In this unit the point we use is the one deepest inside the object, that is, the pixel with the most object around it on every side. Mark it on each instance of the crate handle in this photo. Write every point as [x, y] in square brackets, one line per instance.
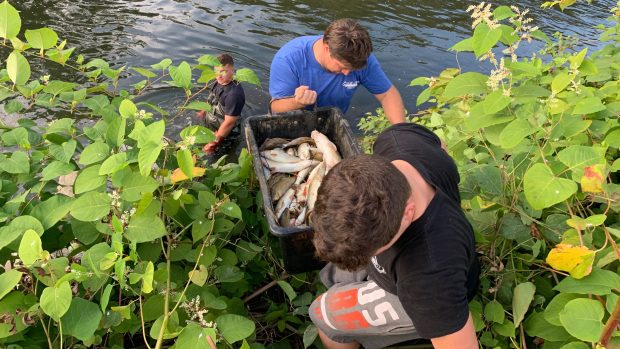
[269, 112]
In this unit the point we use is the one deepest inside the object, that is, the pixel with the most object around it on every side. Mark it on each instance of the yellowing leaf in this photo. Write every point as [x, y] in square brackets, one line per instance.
[593, 179]
[199, 277]
[577, 260]
[178, 175]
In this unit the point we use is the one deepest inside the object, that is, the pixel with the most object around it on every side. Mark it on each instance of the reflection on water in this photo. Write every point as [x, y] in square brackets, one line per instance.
[410, 37]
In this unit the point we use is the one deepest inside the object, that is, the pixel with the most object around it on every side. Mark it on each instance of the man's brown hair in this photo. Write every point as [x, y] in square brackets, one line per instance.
[348, 42]
[359, 208]
[225, 59]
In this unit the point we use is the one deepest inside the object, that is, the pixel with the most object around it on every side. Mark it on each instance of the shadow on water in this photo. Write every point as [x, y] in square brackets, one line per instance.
[411, 38]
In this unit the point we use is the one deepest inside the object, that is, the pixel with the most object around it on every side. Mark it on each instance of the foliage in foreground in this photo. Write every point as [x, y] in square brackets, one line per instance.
[113, 235]
[537, 145]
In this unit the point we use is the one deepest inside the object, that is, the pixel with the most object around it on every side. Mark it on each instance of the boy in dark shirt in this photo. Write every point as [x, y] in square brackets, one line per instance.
[396, 213]
[227, 99]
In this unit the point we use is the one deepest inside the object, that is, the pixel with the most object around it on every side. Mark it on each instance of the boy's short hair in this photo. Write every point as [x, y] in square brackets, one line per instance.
[348, 42]
[359, 209]
[225, 59]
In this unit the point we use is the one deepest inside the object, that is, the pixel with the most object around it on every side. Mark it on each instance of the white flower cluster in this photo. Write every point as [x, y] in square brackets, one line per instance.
[196, 312]
[482, 13]
[116, 199]
[126, 215]
[497, 76]
[521, 24]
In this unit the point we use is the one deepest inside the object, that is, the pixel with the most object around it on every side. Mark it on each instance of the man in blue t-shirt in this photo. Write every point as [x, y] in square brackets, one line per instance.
[327, 70]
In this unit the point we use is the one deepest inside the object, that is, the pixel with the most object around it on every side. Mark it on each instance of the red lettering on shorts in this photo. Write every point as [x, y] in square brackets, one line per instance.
[350, 321]
[342, 300]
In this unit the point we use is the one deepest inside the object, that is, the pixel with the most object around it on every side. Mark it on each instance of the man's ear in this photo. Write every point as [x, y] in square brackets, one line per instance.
[409, 211]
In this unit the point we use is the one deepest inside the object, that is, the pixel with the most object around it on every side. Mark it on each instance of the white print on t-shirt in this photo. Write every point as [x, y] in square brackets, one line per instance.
[377, 266]
[349, 85]
[380, 309]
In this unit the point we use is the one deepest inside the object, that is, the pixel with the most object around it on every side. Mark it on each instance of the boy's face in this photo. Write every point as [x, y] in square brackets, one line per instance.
[224, 74]
[334, 65]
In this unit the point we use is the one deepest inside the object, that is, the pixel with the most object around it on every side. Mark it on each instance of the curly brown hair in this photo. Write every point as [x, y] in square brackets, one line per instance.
[359, 209]
[348, 42]
[225, 59]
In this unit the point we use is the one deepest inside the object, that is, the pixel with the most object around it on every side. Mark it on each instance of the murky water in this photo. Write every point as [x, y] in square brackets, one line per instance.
[411, 38]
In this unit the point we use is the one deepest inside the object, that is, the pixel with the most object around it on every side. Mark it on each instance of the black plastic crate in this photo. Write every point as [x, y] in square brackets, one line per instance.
[296, 242]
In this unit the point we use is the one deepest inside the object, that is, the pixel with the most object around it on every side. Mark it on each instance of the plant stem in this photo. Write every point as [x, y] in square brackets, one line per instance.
[47, 334]
[142, 323]
[610, 326]
[264, 288]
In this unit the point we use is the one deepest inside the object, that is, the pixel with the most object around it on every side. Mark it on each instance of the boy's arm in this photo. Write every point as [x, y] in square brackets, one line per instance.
[465, 338]
[392, 104]
[221, 133]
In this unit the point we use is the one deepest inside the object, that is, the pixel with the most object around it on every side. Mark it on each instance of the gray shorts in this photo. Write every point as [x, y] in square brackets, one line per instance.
[355, 309]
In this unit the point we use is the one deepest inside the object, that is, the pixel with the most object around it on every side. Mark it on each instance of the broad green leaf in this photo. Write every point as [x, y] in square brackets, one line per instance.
[113, 163]
[577, 157]
[9, 280]
[91, 206]
[182, 75]
[582, 318]
[144, 72]
[13, 106]
[56, 300]
[135, 185]
[577, 58]
[199, 277]
[234, 327]
[200, 228]
[485, 38]
[163, 64]
[575, 345]
[552, 312]
[194, 336]
[209, 60]
[206, 76]
[17, 227]
[16, 164]
[495, 102]
[536, 326]
[600, 282]
[42, 38]
[569, 126]
[82, 319]
[18, 68]
[198, 105]
[127, 109]
[494, 312]
[145, 228]
[115, 134]
[105, 297]
[152, 133]
[30, 247]
[16, 136]
[588, 106]
[543, 189]
[288, 289]
[560, 82]
[247, 75]
[10, 22]
[147, 279]
[231, 209]
[56, 169]
[467, 83]
[310, 335]
[228, 274]
[463, 45]
[186, 162]
[503, 12]
[63, 152]
[93, 153]
[522, 297]
[147, 156]
[420, 81]
[52, 210]
[515, 132]
[57, 87]
[96, 103]
[424, 96]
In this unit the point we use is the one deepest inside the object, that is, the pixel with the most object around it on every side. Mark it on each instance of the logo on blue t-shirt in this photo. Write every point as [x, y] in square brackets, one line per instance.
[350, 85]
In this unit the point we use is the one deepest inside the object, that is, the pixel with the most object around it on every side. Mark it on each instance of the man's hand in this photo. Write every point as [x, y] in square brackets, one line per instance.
[201, 114]
[209, 148]
[305, 96]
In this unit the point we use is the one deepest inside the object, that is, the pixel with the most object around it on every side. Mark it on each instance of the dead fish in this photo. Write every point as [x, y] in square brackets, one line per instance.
[301, 193]
[330, 153]
[301, 175]
[279, 155]
[291, 152]
[285, 220]
[316, 154]
[285, 202]
[301, 217]
[297, 141]
[284, 167]
[272, 143]
[281, 186]
[314, 183]
[303, 151]
[266, 172]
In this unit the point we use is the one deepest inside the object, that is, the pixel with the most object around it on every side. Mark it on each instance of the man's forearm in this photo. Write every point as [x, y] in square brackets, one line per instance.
[393, 106]
[226, 126]
[285, 104]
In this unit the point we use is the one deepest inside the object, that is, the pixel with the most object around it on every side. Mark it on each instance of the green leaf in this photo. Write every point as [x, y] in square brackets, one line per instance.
[231, 209]
[113, 164]
[13, 106]
[463, 45]
[91, 206]
[599, 282]
[575, 345]
[467, 83]
[209, 60]
[537, 326]
[522, 297]
[560, 82]
[195, 337]
[57, 87]
[186, 163]
[135, 185]
[543, 189]
[588, 106]
[16, 136]
[198, 105]
[56, 169]
[16, 164]
[310, 335]
[247, 75]
[147, 278]
[42, 38]
[515, 132]
[144, 72]
[495, 102]
[419, 81]
[288, 289]
[577, 157]
[115, 134]
[10, 22]
[18, 68]
[582, 318]
[503, 12]
[163, 64]
[147, 156]
[82, 319]
[145, 228]
[94, 153]
[52, 210]
[552, 312]
[63, 152]
[105, 297]
[494, 312]
[199, 277]
[200, 228]
[182, 75]
[485, 38]
[17, 227]
[228, 274]
[56, 300]
[9, 280]
[234, 327]
[127, 109]
[30, 247]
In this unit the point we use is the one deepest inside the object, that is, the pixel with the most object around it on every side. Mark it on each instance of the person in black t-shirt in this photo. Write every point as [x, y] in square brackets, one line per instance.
[401, 251]
[227, 99]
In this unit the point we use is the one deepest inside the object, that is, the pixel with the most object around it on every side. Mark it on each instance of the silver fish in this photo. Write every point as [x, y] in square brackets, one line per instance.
[281, 186]
[314, 183]
[279, 155]
[272, 143]
[284, 167]
[297, 141]
[303, 151]
[285, 202]
[330, 153]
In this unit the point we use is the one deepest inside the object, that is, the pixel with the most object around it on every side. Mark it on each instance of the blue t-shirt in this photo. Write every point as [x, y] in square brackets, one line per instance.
[294, 65]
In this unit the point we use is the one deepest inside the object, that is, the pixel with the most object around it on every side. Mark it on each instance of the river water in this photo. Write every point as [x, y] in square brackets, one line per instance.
[411, 38]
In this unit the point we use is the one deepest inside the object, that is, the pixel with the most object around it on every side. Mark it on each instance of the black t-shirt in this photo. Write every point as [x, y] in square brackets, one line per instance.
[432, 268]
[231, 97]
